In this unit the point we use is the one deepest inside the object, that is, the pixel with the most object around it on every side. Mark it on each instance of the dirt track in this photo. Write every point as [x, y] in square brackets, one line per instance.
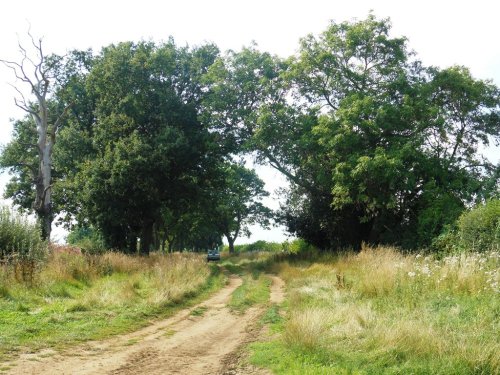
[182, 344]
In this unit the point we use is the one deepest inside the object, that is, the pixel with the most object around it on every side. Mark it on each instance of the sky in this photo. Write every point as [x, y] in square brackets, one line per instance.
[442, 33]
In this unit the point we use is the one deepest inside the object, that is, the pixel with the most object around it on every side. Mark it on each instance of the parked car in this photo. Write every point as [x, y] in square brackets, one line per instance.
[213, 254]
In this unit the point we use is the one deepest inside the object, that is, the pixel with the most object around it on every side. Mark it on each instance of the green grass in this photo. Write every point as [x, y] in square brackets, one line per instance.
[256, 285]
[253, 291]
[272, 315]
[199, 311]
[381, 312]
[63, 312]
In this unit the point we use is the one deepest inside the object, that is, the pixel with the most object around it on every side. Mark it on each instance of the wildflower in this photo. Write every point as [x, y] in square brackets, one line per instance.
[411, 274]
[426, 270]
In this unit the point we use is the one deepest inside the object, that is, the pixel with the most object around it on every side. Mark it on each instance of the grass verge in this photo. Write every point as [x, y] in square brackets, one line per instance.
[77, 299]
[382, 312]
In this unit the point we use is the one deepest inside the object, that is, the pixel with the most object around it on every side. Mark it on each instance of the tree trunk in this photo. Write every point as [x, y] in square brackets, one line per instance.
[146, 238]
[43, 199]
[230, 241]
[163, 242]
[156, 237]
[132, 245]
[39, 84]
[45, 223]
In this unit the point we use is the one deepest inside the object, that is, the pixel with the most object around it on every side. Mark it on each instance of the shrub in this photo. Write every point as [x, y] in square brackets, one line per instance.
[88, 239]
[479, 228]
[256, 246]
[20, 244]
[299, 246]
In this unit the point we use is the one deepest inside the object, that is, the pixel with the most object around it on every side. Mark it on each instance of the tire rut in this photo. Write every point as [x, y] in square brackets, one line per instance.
[183, 344]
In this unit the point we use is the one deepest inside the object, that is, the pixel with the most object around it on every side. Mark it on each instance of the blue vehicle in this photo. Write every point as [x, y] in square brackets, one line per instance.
[213, 254]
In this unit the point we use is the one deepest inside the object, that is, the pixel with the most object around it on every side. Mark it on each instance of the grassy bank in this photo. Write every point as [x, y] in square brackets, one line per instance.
[381, 312]
[76, 298]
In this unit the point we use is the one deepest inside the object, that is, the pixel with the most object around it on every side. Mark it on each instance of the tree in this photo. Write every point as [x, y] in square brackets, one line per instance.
[377, 148]
[151, 151]
[398, 141]
[237, 204]
[37, 72]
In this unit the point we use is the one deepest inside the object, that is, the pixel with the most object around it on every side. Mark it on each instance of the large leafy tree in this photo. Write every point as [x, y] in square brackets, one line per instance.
[150, 149]
[377, 147]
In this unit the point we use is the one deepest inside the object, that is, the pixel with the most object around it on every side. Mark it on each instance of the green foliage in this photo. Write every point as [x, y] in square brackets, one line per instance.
[260, 245]
[131, 145]
[377, 147]
[479, 228]
[298, 246]
[88, 239]
[237, 204]
[20, 156]
[151, 153]
[476, 230]
[19, 238]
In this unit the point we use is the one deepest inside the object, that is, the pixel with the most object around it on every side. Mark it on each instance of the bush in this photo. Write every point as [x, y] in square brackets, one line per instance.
[299, 246]
[20, 244]
[447, 242]
[256, 246]
[476, 230]
[479, 228]
[441, 211]
[88, 239]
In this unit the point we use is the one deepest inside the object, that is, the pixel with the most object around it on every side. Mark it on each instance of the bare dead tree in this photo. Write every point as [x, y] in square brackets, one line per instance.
[35, 73]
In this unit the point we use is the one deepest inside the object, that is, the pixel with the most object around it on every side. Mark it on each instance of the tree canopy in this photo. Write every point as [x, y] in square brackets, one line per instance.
[376, 146]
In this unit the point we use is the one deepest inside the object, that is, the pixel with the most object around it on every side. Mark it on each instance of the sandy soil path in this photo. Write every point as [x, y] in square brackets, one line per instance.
[182, 344]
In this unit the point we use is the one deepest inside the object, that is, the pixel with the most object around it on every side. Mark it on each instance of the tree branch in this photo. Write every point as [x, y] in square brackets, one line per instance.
[59, 119]
[33, 170]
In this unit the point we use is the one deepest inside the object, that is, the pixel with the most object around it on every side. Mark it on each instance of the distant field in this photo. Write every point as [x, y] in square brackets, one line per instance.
[381, 312]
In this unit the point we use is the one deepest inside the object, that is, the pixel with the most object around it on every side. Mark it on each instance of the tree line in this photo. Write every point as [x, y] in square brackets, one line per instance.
[147, 140]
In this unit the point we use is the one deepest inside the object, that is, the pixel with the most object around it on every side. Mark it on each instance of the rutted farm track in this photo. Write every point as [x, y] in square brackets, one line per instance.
[208, 343]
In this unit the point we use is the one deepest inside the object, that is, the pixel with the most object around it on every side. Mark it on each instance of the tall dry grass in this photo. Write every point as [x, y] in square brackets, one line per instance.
[114, 279]
[80, 297]
[384, 311]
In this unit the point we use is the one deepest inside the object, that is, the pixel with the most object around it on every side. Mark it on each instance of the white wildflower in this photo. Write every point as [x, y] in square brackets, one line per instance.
[426, 270]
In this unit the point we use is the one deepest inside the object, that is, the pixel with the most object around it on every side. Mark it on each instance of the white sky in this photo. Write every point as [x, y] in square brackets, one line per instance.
[443, 33]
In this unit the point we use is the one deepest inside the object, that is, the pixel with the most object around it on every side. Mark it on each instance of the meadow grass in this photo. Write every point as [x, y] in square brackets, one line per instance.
[77, 298]
[382, 312]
